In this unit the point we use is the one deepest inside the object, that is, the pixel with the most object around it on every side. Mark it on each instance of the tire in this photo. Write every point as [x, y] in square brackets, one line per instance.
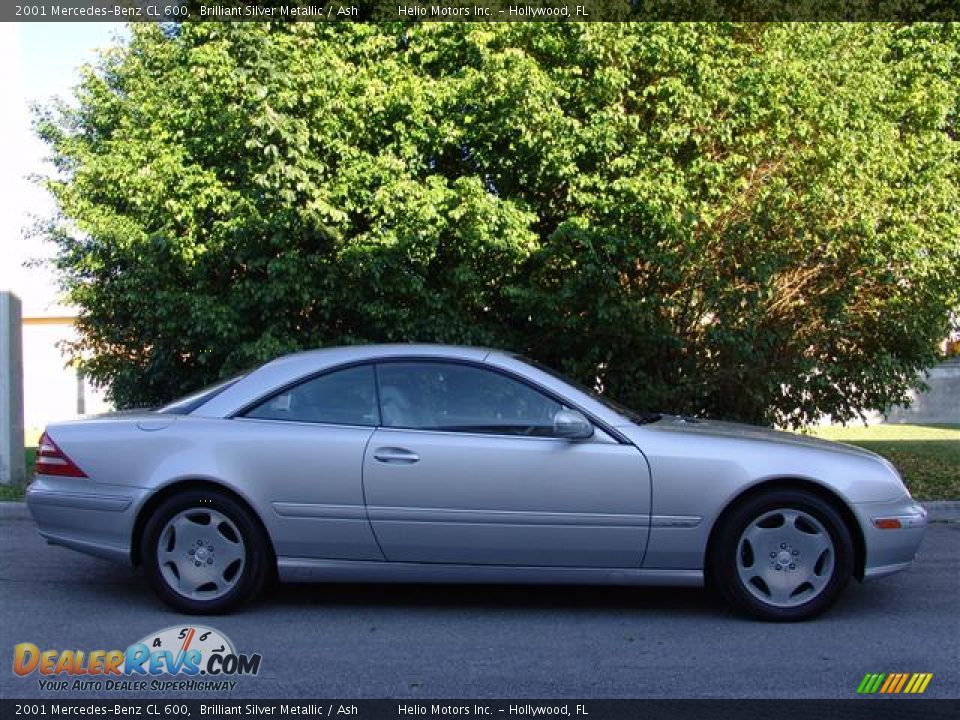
[204, 553]
[783, 555]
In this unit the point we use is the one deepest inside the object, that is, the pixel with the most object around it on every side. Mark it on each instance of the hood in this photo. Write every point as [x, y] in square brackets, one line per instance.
[741, 431]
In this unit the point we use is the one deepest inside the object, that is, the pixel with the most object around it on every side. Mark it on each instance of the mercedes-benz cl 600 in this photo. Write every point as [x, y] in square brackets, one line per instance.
[422, 463]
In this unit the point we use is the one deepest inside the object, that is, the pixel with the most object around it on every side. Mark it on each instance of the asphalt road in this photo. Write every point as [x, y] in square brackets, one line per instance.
[517, 642]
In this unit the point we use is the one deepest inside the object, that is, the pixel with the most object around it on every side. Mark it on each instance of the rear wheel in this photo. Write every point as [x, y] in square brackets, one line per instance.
[782, 555]
[204, 552]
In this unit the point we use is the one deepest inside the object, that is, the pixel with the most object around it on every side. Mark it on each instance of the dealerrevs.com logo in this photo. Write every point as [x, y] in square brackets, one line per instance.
[204, 656]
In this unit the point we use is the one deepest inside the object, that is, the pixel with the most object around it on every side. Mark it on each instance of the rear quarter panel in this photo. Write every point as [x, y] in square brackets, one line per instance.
[302, 480]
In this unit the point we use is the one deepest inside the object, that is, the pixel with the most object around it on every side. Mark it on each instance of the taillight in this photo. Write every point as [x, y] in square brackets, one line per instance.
[51, 460]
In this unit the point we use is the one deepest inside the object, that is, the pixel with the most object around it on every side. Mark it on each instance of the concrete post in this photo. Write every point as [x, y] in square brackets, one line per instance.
[11, 391]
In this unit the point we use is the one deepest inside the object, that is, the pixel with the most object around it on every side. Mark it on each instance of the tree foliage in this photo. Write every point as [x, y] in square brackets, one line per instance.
[759, 222]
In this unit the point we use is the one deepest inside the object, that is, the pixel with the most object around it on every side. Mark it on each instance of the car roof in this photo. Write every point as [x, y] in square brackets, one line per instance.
[366, 352]
[290, 368]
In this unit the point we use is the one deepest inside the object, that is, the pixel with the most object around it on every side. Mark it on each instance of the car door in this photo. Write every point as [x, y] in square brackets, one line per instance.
[300, 452]
[465, 468]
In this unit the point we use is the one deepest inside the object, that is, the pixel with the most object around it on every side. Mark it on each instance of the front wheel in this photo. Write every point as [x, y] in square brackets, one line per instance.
[204, 553]
[782, 555]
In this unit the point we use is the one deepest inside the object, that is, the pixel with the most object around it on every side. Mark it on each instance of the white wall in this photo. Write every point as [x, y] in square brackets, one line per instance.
[940, 403]
[50, 386]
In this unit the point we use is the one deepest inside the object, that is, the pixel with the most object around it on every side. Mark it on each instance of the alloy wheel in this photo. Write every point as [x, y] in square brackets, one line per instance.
[201, 554]
[785, 557]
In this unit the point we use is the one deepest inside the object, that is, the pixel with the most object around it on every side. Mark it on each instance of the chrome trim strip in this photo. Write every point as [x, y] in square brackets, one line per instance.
[414, 357]
[320, 510]
[480, 517]
[109, 503]
[504, 517]
[675, 521]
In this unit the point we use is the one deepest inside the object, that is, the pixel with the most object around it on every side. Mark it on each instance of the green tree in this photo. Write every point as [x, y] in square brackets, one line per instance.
[759, 222]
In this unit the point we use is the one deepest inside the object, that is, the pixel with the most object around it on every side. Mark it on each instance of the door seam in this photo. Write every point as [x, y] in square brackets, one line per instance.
[363, 489]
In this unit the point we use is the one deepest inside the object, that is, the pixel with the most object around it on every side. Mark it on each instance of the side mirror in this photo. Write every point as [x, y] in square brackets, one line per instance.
[572, 425]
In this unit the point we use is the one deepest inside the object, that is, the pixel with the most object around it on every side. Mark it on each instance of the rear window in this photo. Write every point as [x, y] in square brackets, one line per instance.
[189, 403]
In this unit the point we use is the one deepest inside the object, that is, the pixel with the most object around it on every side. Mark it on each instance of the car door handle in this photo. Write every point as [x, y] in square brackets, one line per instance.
[400, 456]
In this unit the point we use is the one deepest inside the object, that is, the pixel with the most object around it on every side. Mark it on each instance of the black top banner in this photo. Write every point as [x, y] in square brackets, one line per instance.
[479, 10]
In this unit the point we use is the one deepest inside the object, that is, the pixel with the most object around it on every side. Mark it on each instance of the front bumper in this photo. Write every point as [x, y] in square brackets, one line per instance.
[890, 549]
[93, 518]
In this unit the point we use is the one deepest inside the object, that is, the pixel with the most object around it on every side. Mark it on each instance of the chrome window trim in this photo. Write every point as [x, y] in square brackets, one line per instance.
[286, 387]
[611, 431]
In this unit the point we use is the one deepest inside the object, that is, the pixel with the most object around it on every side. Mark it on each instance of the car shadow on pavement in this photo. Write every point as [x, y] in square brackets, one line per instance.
[692, 601]
[91, 578]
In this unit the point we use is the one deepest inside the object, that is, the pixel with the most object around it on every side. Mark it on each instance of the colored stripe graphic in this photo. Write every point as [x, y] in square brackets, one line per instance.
[892, 680]
[870, 683]
[920, 684]
[903, 680]
[894, 683]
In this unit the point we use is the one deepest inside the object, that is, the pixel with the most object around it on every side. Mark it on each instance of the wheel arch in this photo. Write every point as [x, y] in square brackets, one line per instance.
[795, 483]
[182, 485]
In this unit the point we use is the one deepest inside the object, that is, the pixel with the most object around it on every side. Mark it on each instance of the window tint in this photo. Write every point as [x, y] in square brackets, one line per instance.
[446, 396]
[343, 397]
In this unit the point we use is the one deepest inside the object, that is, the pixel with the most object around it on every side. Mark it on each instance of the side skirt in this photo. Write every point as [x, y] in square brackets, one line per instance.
[311, 570]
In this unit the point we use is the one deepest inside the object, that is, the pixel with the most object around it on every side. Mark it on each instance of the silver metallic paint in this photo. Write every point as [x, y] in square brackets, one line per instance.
[496, 500]
[632, 504]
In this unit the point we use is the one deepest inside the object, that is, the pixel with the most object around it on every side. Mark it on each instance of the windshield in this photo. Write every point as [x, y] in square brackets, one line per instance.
[641, 418]
[189, 403]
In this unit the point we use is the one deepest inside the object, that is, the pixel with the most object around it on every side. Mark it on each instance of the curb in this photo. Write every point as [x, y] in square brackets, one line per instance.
[14, 510]
[938, 511]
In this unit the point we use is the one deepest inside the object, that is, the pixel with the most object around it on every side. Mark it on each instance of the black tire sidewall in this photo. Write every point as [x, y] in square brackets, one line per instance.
[256, 562]
[723, 562]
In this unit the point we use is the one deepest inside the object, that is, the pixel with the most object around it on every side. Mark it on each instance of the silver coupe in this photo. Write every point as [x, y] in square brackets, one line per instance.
[425, 463]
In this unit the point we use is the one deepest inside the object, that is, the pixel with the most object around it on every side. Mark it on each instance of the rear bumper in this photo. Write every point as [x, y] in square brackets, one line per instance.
[893, 549]
[90, 517]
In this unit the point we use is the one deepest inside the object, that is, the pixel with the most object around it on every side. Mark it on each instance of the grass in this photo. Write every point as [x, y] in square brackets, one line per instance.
[31, 459]
[927, 456]
[15, 492]
[9, 493]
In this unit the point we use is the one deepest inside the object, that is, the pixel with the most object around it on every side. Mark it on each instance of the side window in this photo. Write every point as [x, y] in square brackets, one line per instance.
[342, 397]
[452, 397]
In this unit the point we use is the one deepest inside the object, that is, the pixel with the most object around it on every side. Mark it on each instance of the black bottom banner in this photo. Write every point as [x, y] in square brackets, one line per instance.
[868, 709]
